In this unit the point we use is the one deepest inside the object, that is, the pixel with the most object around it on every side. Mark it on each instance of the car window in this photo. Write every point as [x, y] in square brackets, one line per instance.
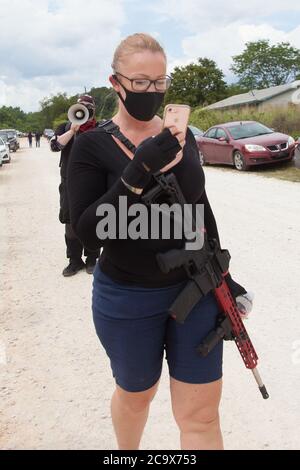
[196, 131]
[248, 129]
[211, 133]
[221, 133]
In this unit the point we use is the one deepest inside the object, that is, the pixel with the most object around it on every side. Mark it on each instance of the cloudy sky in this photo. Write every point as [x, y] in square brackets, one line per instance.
[51, 46]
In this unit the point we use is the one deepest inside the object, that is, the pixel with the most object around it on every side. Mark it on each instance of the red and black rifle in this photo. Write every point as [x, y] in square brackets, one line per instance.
[238, 331]
[206, 269]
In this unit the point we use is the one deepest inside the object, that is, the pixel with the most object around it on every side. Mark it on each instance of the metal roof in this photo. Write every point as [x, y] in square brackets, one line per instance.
[254, 96]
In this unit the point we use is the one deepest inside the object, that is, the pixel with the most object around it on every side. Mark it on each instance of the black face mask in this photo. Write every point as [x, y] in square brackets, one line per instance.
[142, 106]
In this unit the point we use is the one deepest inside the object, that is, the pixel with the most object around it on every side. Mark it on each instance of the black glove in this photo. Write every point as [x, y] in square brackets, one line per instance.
[235, 288]
[151, 155]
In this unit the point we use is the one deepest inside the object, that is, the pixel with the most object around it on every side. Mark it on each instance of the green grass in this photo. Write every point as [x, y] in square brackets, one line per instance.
[287, 172]
[286, 120]
[282, 171]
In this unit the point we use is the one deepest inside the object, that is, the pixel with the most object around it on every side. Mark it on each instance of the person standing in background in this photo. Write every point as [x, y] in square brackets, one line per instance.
[37, 139]
[30, 139]
[62, 141]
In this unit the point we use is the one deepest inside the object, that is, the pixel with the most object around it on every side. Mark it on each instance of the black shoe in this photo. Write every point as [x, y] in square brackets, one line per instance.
[90, 264]
[74, 266]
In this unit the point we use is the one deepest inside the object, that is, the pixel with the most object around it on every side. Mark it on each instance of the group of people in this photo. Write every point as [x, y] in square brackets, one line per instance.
[131, 295]
[37, 136]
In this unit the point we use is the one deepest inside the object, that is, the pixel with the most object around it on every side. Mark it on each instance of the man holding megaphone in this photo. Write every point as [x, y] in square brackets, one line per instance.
[81, 119]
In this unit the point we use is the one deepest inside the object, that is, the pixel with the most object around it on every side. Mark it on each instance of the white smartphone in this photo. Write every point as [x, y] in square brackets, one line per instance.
[177, 115]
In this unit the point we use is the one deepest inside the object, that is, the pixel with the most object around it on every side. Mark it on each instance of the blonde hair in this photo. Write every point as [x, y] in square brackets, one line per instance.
[137, 42]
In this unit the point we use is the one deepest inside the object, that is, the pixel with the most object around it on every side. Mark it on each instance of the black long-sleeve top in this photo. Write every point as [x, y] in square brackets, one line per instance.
[65, 150]
[94, 177]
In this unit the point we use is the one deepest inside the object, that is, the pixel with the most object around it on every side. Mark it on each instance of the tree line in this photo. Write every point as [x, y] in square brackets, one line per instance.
[260, 65]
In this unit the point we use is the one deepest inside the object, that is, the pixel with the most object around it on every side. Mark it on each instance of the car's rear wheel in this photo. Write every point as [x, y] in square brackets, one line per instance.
[202, 159]
[239, 161]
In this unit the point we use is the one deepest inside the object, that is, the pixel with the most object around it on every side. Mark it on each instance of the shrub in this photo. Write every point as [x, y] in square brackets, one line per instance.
[286, 120]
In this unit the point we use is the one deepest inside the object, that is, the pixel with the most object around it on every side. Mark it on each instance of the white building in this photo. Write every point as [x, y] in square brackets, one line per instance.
[281, 95]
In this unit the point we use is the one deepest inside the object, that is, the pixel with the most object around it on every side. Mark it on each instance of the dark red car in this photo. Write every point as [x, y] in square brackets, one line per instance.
[244, 144]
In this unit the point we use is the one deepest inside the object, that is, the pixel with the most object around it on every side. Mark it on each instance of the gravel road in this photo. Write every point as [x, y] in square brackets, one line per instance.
[55, 380]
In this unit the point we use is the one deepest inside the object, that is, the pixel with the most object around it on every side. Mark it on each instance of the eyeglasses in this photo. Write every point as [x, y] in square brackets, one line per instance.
[143, 84]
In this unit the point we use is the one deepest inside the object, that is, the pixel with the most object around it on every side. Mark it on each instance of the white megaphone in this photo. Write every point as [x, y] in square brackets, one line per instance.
[78, 114]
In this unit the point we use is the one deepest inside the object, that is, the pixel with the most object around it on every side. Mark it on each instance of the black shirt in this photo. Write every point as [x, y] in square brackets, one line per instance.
[95, 167]
[65, 152]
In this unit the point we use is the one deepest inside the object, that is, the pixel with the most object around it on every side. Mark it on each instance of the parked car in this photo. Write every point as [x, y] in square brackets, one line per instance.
[244, 144]
[48, 133]
[196, 131]
[4, 137]
[14, 143]
[4, 152]
[10, 144]
[197, 134]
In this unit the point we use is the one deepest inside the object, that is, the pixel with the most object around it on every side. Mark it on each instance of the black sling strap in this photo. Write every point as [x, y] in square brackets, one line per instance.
[111, 128]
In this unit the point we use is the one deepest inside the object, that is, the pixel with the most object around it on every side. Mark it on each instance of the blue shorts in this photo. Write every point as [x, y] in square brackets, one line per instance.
[135, 329]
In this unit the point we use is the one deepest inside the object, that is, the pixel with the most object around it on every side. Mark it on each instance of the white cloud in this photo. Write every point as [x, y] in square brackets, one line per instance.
[219, 29]
[220, 44]
[202, 15]
[50, 46]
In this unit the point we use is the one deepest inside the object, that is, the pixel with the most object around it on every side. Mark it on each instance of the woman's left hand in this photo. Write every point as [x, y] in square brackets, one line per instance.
[181, 138]
[244, 304]
[243, 299]
[173, 163]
